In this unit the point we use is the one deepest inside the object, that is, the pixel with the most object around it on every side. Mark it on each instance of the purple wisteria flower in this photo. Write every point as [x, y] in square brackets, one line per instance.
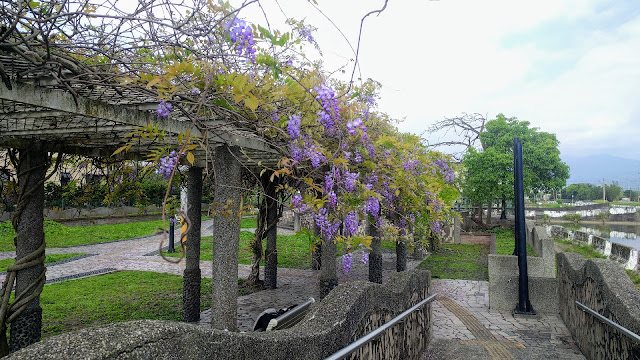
[327, 228]
[351, 223]
[365, 257]
[353, 125]
[435, 226]
[290, 62]
[346, 262]
[328, 183]
[350, 181]
[298, 203]
[372, 206]
[172, 221]
[330, 113]
[332, 198]
[195, 91]
[242, 36]
[164, 108]
[167, 163]
[305, 33]
[275, 117]
[293, 126]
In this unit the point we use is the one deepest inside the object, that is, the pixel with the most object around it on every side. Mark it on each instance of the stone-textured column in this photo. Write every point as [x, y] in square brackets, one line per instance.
[192, 274]
[375, 257]
[328, 275]
[316, 254]
[401, 255]
[226, 234]
[271, 252]
[26, 328]
[296, 222]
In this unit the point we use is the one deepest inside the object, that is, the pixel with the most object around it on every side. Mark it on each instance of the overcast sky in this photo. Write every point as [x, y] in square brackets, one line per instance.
[569, 67]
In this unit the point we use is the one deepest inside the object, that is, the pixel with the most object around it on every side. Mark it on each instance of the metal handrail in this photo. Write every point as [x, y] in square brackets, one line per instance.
[377, 332]
[608, 321]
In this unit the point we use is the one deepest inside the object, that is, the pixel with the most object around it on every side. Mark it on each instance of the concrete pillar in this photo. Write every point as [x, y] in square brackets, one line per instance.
[296, 222]
[328, 275]
[192, 274]
[271, 252]
[226, 234]
[375, 256]
[32, 166]
[456, 231]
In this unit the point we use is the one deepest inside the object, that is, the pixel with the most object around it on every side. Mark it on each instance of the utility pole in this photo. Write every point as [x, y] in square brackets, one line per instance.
[604, 193]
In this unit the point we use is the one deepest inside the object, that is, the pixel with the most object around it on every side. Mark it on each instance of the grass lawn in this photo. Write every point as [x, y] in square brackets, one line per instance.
[4, 264]
[505, 242]
[583, 249]
[248, 223]
[459, 262]
[294, 251]
[121, 296]
[58, 235]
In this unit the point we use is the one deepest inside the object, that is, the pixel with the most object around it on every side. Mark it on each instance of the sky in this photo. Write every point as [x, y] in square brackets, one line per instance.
[569, 67]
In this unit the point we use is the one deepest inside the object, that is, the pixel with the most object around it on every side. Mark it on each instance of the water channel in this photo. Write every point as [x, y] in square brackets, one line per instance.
[622, 233]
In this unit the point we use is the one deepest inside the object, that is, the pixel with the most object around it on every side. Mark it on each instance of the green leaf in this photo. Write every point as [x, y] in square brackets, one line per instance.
[283, 39]
[265, 32]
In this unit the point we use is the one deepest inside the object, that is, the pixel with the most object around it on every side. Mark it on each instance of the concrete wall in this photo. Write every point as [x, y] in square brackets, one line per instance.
[587, 211]
[504, 271]
[626, 255]
[604, 287]
[347, 313]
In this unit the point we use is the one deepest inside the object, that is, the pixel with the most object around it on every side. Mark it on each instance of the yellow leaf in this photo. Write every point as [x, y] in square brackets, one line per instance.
[121, 149]
[153, 82]
[190, 157]
[397, 192]
[237, 98]
[251, 102]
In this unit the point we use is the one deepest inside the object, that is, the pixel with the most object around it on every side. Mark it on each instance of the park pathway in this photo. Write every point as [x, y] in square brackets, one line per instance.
[463, 326]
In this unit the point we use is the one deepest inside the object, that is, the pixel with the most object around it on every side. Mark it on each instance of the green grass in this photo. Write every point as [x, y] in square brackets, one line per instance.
[248, 223]
[294, 251]
[635, 278]
[58, 235]
[4, 264]
[459, 262]
[121, 296]
[505, 242]
[585, 250]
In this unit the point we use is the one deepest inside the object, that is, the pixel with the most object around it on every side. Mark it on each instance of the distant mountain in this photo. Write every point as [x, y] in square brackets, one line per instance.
[592, 169]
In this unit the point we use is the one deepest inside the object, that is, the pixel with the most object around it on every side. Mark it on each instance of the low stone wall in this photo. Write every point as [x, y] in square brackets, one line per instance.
[350, 311]
[504, 271]
[626, 255]
[604, 287]
[584, 211]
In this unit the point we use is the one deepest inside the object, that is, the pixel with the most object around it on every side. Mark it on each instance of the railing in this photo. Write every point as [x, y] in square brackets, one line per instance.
[607, 321]
[377, 332]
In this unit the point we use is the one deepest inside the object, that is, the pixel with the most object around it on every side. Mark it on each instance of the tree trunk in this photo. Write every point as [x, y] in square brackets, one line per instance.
[29, 225]
[480, 213]
[375, 257]
[503, 214]
[271, 252]
[253, 279]
[192, 273]
[401, 255]
[489, 210]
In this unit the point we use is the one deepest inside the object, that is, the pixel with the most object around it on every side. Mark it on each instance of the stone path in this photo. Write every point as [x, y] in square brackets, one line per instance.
[463, 326]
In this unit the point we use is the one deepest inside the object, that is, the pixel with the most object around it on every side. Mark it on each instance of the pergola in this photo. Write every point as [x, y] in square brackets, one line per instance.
[40, 114]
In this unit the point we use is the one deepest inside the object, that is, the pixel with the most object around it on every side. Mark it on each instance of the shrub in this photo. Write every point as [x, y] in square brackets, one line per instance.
[572, 217]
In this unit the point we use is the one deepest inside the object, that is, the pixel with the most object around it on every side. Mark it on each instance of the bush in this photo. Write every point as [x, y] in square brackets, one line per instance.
[572, 217]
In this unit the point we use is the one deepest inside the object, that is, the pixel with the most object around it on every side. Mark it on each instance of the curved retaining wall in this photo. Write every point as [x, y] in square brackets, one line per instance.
[604, 287]
[348, 312]
[626, 255]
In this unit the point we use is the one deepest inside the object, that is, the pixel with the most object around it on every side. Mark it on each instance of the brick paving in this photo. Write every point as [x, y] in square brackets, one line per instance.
[463, 326]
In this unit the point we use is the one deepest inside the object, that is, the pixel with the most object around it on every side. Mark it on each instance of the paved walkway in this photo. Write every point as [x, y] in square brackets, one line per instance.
[463, 326]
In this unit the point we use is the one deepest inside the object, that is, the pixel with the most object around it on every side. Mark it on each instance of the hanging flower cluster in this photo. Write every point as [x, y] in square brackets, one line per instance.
[242, 36]
[167, 164]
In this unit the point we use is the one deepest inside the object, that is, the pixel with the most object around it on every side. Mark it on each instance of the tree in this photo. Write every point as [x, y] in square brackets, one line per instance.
[489, 173]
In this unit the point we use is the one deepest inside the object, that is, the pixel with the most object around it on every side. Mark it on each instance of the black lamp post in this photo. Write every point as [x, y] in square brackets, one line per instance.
[524, 305]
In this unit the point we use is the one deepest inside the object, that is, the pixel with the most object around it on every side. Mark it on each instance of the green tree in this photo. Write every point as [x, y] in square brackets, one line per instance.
[489, 173]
